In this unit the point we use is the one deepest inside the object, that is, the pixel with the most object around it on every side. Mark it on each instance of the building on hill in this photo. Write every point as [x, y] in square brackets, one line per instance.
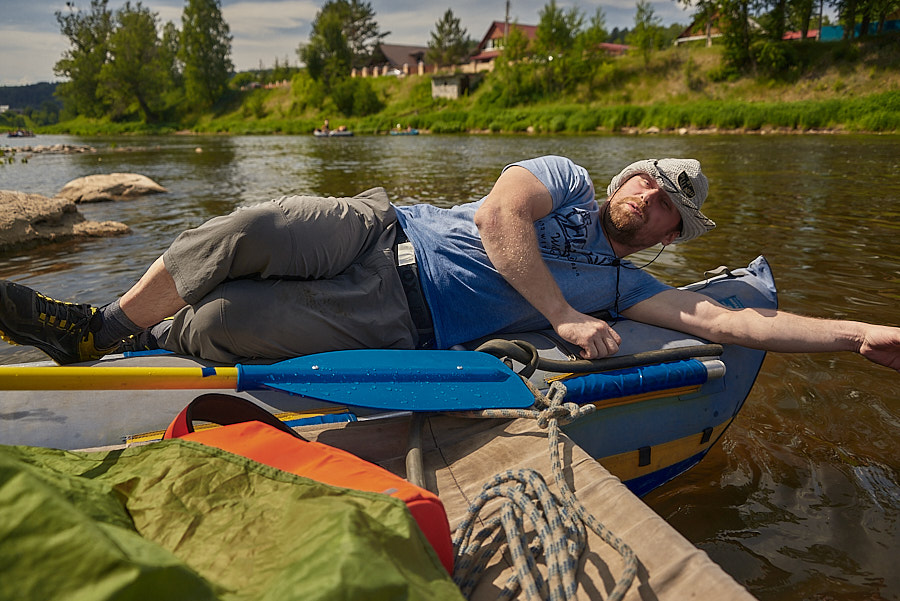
[706, 29]
[831, 33]
[491, 44]
[709, 30]
[401, 60]
[398, 60]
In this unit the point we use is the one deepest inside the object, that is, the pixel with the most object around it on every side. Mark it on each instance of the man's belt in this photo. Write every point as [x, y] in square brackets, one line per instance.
[408, 270]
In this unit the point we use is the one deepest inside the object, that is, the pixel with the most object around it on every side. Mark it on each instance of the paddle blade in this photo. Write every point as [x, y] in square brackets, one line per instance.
[395, 380]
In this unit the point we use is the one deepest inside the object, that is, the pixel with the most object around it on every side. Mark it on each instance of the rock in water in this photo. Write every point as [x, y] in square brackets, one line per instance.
[109, 186]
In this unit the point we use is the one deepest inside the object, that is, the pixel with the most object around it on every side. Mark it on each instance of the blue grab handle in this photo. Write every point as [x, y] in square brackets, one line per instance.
[636, 380]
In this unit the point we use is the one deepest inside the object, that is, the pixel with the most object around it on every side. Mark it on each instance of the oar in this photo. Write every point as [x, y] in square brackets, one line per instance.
[396, 380]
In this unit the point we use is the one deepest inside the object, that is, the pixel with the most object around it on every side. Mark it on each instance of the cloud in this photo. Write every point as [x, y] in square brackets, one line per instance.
[264, 31]
[29, 53]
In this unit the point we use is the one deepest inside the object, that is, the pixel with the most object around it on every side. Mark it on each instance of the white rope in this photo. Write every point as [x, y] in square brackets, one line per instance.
[560, 526]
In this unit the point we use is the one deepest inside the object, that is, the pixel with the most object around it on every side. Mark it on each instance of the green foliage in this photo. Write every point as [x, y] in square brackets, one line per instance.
[205, 52]
[355, 97]
[254, 105]
[420, 94]
[587, 42]
[328, 56]
[88, 34]
[774, 58]
[647, 33]
[168, 55]
[734, 21]
[134, 79]
[307, 91]
[119, 66]
[28, 95]
[514, 97]
[556, 31]
[242, 79]
[450, 43]
[344, 35]
[692, 79]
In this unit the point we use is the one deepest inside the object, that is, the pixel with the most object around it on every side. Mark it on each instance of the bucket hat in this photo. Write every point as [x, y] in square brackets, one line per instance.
[685, 184]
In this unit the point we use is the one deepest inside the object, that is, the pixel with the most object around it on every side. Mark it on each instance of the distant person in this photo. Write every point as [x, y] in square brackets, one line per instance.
[301, 274]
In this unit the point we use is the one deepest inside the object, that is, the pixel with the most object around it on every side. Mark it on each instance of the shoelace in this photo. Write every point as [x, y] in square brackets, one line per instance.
[59, 314]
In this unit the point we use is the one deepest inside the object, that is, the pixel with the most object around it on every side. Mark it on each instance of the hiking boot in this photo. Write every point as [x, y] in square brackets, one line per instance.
[65, 331]
[138, 343]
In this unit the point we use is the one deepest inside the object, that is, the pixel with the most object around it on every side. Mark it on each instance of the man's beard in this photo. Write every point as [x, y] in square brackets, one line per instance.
[620, 223]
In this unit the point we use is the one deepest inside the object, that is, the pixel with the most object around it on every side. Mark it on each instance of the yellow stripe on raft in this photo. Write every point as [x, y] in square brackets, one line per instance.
[646, 396]
[626, 466]
[118, 378]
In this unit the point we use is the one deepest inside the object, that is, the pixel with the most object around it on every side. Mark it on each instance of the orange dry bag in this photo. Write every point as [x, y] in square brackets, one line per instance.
[254, 433]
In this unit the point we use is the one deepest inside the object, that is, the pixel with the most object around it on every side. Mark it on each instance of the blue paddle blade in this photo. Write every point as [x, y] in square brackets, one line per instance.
[395, 380]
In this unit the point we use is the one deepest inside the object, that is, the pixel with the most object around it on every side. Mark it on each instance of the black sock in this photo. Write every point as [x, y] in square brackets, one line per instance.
[115, 326]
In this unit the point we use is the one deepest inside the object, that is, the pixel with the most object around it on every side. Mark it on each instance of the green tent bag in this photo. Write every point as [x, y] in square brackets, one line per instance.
[181, 520]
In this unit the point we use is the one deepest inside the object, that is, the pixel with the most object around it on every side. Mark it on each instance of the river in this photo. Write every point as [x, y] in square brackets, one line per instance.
[802, 499]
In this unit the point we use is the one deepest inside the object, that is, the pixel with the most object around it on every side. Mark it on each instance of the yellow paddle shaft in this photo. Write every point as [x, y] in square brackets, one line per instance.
[117, 378]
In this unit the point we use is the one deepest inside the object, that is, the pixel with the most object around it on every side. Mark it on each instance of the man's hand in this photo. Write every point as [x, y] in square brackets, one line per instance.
[881, 345]
[594, 336]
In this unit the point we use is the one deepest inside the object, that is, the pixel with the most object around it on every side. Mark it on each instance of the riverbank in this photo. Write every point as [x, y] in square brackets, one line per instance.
[831, 89]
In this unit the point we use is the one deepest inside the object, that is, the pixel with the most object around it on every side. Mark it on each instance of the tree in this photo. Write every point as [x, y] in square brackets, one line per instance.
[735, 23]
[205, 51]
[556, 31]
[588, 41]
[327, 56]
[88, 35]
[513, 83]
[555, 46]
[134, 75]
[355, 97]
[344, 31]
[449, 44]
[647, 32]
[775, 21]
[362, 31]
[169, 48]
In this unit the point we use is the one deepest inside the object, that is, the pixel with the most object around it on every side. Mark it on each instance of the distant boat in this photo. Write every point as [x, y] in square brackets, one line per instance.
[20, 133]
[404, 132]
[332, 133]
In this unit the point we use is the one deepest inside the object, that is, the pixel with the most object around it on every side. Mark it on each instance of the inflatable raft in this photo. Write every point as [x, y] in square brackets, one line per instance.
[662, 403]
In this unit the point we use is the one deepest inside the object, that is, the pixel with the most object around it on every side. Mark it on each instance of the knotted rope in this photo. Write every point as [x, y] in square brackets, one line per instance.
[560, 533]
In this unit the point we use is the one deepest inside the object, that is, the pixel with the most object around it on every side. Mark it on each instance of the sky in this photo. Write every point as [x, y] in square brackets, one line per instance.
[262, 31]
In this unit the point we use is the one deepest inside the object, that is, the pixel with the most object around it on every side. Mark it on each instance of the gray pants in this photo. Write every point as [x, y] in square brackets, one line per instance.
[293, 276]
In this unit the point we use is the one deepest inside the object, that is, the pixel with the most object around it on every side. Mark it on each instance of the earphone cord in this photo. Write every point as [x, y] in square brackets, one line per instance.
[618, 263]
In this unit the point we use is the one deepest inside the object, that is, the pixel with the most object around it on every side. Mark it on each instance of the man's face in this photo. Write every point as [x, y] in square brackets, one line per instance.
[641, 214]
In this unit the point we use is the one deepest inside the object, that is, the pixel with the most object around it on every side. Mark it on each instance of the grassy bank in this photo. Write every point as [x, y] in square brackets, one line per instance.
[852, 87]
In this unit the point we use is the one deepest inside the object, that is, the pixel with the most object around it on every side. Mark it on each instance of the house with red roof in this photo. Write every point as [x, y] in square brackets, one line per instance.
[491, 44]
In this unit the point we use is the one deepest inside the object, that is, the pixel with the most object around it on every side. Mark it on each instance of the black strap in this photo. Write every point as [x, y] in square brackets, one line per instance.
[226, 409]
[415, 298]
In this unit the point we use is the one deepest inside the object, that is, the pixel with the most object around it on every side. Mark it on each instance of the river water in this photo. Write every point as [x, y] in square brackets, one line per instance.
[802, 499]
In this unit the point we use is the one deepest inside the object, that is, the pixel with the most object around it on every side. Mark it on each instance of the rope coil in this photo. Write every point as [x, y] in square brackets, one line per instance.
[560, 526]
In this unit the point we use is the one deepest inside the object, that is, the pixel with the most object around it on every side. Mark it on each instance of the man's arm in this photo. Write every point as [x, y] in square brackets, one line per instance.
[505, 222]
[767, 329]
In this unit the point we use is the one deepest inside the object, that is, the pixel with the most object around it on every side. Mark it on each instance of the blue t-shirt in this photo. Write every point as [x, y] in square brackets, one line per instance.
[470, 299]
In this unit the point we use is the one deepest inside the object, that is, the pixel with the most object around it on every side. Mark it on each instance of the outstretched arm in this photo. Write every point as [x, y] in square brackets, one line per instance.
[506, 223]
[767, 329]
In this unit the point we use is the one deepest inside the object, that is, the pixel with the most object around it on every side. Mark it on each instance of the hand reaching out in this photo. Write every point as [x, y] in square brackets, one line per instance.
[881, 345]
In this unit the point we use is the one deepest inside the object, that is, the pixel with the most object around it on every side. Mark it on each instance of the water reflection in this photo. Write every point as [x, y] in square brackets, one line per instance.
[801, 499]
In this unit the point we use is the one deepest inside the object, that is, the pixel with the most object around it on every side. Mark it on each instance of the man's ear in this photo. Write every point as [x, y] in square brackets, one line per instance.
[670, 237]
